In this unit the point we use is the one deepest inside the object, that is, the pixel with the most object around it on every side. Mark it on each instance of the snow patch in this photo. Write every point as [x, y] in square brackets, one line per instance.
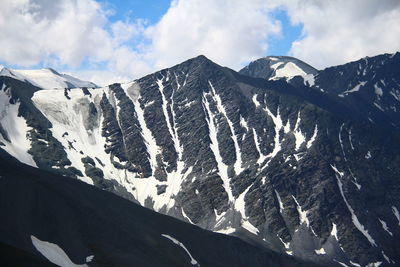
[354, 89]
[374, 264]
[281, 207]
[243, 123]
[386, 257]
[286, 128]
[288, 70]
[350, 140]
[240, 204]
[309, 80]
[378, 106]
[219, 217]
[249, 227]
[385, 227]
[341, 263]
[261, 157]
[89, 258]
[378, 90]
[255, 101]
[313, 137]
[300, 138]
[186, 217]
[278, 126]
[334, 231]
[54, 253]
[302, 214]
[192, 260]
[395, 94]
[226, 231]
[276, 65]
[355, 264]
[320, 251]
[16, 128]
[396, 213]
[286, 245]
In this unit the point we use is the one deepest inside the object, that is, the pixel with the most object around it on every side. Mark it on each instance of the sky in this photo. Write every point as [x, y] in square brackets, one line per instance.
[107, 41]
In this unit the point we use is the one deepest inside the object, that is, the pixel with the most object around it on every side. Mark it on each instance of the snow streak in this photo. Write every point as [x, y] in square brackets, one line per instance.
[238, 164]
[152, 148]
[345, 159]
[192, 260]
[302, 214]
[356, 222]
[54, 253]
[213, 128]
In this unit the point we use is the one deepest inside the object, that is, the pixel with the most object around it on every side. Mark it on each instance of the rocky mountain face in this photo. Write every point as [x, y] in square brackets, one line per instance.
[56, 221]
[294, 163]
[368, 87]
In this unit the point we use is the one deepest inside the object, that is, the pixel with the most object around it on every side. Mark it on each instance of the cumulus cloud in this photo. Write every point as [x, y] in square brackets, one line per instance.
[78, 35]
[335, 32]
[229, 32]
[65, 34]
[34, 31]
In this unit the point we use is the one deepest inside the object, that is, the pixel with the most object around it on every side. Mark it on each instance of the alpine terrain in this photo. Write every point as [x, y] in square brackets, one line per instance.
[292, 159]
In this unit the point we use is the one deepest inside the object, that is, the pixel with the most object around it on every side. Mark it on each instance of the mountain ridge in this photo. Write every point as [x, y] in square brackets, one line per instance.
[279, 160]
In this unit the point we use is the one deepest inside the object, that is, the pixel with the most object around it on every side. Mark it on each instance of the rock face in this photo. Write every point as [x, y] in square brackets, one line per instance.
[285, 163]
[368, 87]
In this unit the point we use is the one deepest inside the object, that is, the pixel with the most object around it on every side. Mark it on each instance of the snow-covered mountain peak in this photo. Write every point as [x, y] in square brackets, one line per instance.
[46, 78]
[276, 67]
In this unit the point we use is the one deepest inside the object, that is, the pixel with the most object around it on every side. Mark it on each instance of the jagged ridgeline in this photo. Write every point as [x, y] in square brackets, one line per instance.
[285, 156]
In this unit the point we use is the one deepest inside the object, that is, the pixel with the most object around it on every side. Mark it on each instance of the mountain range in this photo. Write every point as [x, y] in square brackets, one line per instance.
[286, 157]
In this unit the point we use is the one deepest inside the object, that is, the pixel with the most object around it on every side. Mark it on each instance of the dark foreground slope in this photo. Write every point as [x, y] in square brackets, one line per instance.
[84, 220]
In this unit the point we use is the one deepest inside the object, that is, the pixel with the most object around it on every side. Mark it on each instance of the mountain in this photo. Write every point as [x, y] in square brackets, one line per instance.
[277, 67]
[50, 218]
[368, 87]
[46, 78]
[278, 162]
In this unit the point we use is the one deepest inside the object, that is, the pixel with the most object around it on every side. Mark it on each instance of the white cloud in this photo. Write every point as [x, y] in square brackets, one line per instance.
[64, 34]
[336, 32]
[72, 35]
[33, 33]
[229, 32]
